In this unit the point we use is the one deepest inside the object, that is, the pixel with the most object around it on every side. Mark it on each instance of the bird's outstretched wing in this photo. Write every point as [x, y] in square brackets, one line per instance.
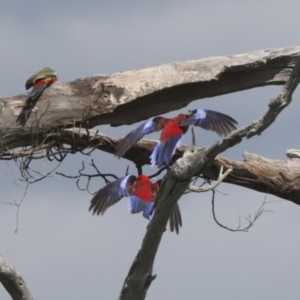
[153, 124]
[111, 194]
[211, 120]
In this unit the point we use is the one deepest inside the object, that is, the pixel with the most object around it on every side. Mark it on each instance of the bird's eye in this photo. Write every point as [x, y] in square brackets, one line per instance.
[192, 111]
[156, 119]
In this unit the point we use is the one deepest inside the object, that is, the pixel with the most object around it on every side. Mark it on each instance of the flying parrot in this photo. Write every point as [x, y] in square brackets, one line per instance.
[142, 193]
[173, 130]
[39, 82]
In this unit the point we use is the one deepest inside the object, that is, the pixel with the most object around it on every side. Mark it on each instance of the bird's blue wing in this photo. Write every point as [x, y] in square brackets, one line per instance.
[111, 194]
[163, 151]
[211, 120]
[136, 205]
[134, 136]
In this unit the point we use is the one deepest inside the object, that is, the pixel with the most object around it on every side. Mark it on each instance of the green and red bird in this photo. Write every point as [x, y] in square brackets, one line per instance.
[39, 82]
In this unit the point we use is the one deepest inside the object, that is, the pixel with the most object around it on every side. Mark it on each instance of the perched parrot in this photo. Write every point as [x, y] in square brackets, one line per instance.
[173, 130]
[39, 82]
[142, 193]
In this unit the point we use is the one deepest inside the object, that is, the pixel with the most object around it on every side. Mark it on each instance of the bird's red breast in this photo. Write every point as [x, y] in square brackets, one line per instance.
[143, 188]
[144, 193]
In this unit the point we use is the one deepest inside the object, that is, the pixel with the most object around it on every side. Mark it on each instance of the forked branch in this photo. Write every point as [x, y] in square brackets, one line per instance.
[177, 181]
[210, 187]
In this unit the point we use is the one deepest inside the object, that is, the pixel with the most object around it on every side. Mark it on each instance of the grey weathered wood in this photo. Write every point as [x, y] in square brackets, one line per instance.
[270, 176]
[111, 99]
[254, 172]
[177, 181]
[293, 153]
[12, 281]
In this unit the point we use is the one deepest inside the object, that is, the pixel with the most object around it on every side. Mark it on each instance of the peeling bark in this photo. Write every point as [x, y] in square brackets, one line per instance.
[110, 99]
[270, 176]
[177, 181]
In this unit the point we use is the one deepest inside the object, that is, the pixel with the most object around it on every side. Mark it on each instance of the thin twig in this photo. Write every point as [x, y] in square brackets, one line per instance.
[251, 220]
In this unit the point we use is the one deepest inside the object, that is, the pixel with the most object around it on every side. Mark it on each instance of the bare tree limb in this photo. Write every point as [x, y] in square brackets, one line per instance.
[88, 177]
[276, 177]
[254, 172]
[177, 181]
[210, 187]
[97, 100]
[251, 220]
[110, 99]
[12, 281]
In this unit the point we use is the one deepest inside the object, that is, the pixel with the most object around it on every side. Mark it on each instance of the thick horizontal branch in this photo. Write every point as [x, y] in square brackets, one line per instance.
[275, 177]
[111, 99]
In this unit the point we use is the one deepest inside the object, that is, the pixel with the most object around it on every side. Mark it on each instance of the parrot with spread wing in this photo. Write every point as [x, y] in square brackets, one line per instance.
[173, 130]
[142, 193]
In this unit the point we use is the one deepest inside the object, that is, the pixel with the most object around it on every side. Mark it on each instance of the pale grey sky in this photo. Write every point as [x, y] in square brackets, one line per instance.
[62, 251]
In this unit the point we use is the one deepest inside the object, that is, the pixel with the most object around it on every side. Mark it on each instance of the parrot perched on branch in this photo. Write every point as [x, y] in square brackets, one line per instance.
[39, 82]
[142, 193]
[173, 130]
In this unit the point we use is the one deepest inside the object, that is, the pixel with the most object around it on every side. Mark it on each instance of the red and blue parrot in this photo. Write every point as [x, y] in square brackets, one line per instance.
[39, 82]
[173, 130]
[142, 193]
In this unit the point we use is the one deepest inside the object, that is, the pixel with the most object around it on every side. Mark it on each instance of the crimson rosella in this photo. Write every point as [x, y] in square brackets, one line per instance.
[142, 193]
[173, 130]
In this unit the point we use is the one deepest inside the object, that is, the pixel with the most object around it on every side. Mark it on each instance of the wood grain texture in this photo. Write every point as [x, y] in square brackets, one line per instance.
[111, 99]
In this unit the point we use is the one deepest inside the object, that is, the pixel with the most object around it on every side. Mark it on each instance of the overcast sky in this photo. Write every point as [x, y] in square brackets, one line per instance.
[61, 250]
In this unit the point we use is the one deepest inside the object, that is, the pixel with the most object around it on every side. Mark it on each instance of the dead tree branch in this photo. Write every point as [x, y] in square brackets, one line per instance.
[97, 100]
[210, 187]
[177, 181]
[12, 281]
[81, 175]
[250, 220]
[110, 99]
[276, 177]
